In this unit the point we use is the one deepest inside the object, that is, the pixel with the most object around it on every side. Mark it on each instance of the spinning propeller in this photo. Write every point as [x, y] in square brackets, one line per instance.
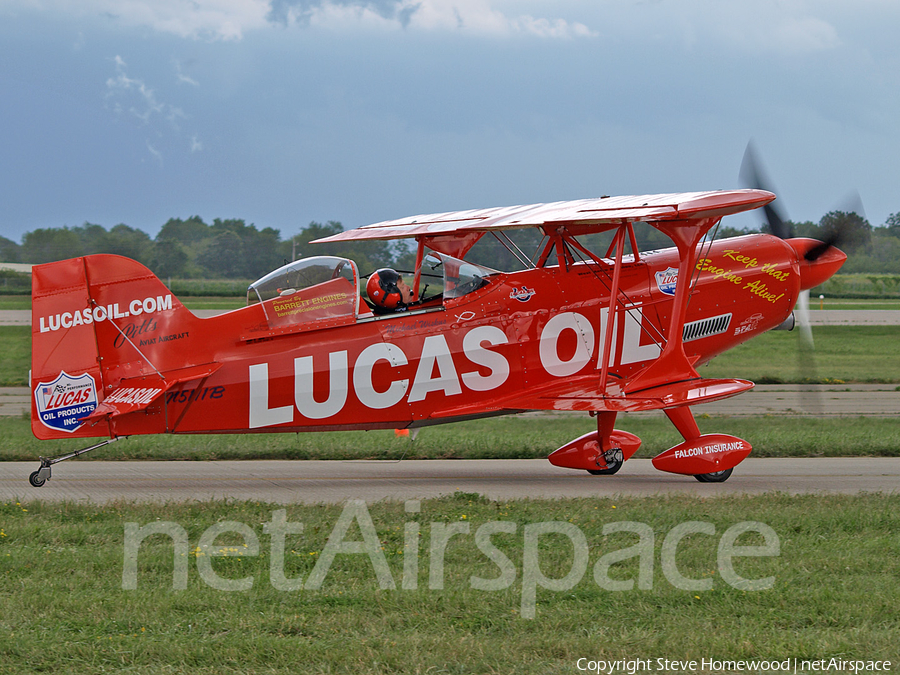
[818, 260]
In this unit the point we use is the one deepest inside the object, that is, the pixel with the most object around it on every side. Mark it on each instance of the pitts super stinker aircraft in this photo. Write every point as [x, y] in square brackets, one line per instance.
[115, 354]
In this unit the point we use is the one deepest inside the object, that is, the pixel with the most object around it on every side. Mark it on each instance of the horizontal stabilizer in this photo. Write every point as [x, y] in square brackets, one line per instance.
[138, 393]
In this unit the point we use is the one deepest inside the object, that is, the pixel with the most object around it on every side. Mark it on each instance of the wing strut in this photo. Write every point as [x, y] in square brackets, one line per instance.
[420, 256]
[673, 364]
[619, 241]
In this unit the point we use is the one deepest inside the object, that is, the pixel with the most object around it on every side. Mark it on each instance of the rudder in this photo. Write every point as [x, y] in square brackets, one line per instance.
[88, 318]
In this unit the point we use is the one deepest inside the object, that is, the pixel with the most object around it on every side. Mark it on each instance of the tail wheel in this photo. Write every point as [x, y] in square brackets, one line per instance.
[714, 477]
[35, 479]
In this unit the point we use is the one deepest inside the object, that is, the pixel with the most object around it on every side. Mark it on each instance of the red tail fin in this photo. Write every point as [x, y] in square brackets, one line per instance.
[94, 321]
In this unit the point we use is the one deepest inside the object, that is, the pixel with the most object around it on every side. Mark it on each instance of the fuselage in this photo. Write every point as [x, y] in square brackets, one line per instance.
[462, 357]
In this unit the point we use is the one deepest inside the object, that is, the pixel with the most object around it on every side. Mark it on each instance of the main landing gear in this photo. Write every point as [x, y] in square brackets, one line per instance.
[614, 460]
[42, 475]
[714, 477]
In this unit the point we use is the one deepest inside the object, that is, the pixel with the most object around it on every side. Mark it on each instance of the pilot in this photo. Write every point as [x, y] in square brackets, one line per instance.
[388, 292]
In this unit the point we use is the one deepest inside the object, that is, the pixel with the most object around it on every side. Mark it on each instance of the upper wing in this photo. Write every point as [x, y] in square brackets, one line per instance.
[596, 214]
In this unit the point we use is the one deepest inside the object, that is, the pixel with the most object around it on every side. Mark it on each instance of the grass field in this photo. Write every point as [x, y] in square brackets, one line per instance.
[226, 302]
[850, 303]
[844, 353]
[64, 607]
[15, 355]
[514, 437]
[15, 302]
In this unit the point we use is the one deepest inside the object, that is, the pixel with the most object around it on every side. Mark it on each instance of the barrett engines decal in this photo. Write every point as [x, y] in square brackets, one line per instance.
[666, 280]
[64, 402]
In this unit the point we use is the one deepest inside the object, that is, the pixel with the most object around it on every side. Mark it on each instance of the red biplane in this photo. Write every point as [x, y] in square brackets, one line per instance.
[116, 354]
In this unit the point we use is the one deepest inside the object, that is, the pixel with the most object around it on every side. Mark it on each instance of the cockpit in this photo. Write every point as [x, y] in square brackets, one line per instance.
[452, 277]
[327, 289]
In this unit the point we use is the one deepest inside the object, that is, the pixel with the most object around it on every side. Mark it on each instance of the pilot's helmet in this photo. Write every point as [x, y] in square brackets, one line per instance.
[382, 288]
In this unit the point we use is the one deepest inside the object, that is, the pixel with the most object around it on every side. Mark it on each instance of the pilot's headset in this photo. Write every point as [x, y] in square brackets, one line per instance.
[382, 289]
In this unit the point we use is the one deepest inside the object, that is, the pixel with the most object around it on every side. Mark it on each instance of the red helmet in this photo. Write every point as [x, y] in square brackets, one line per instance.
[382, 289]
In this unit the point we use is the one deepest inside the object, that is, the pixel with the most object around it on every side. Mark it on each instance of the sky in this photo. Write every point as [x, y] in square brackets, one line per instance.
[282, 112]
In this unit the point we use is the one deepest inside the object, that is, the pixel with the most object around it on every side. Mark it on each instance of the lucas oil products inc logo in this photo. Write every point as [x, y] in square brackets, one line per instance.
[666, 280]
[63, 403]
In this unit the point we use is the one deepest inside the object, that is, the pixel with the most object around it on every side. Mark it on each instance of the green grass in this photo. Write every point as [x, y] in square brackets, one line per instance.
[860, 285]
[852, 303]
[842, 353]
[63, 608]
[214, 302]
[514, 437]
[15, 302]
[15, 355]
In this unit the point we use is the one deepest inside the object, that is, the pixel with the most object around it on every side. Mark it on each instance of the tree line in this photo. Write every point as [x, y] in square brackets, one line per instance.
[231, 249]
[192, 249]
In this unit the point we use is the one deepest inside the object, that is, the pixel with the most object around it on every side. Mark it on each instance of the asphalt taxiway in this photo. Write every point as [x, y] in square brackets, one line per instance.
[313, 482]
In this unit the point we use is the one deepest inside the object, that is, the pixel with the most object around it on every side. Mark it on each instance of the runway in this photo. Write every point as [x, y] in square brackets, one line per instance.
[313, 482]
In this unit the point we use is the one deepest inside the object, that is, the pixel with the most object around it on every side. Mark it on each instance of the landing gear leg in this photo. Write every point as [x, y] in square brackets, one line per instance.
[42, 475]
[612, 457]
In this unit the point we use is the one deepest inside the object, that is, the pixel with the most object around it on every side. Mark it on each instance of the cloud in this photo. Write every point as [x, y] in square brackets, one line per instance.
[157, 155]
[232, 19]
[199, 19]
[182, 78]
[805, 34]
[777, 26]
[134, 96]
[772, 27]
[131, 98]
[471, 16]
